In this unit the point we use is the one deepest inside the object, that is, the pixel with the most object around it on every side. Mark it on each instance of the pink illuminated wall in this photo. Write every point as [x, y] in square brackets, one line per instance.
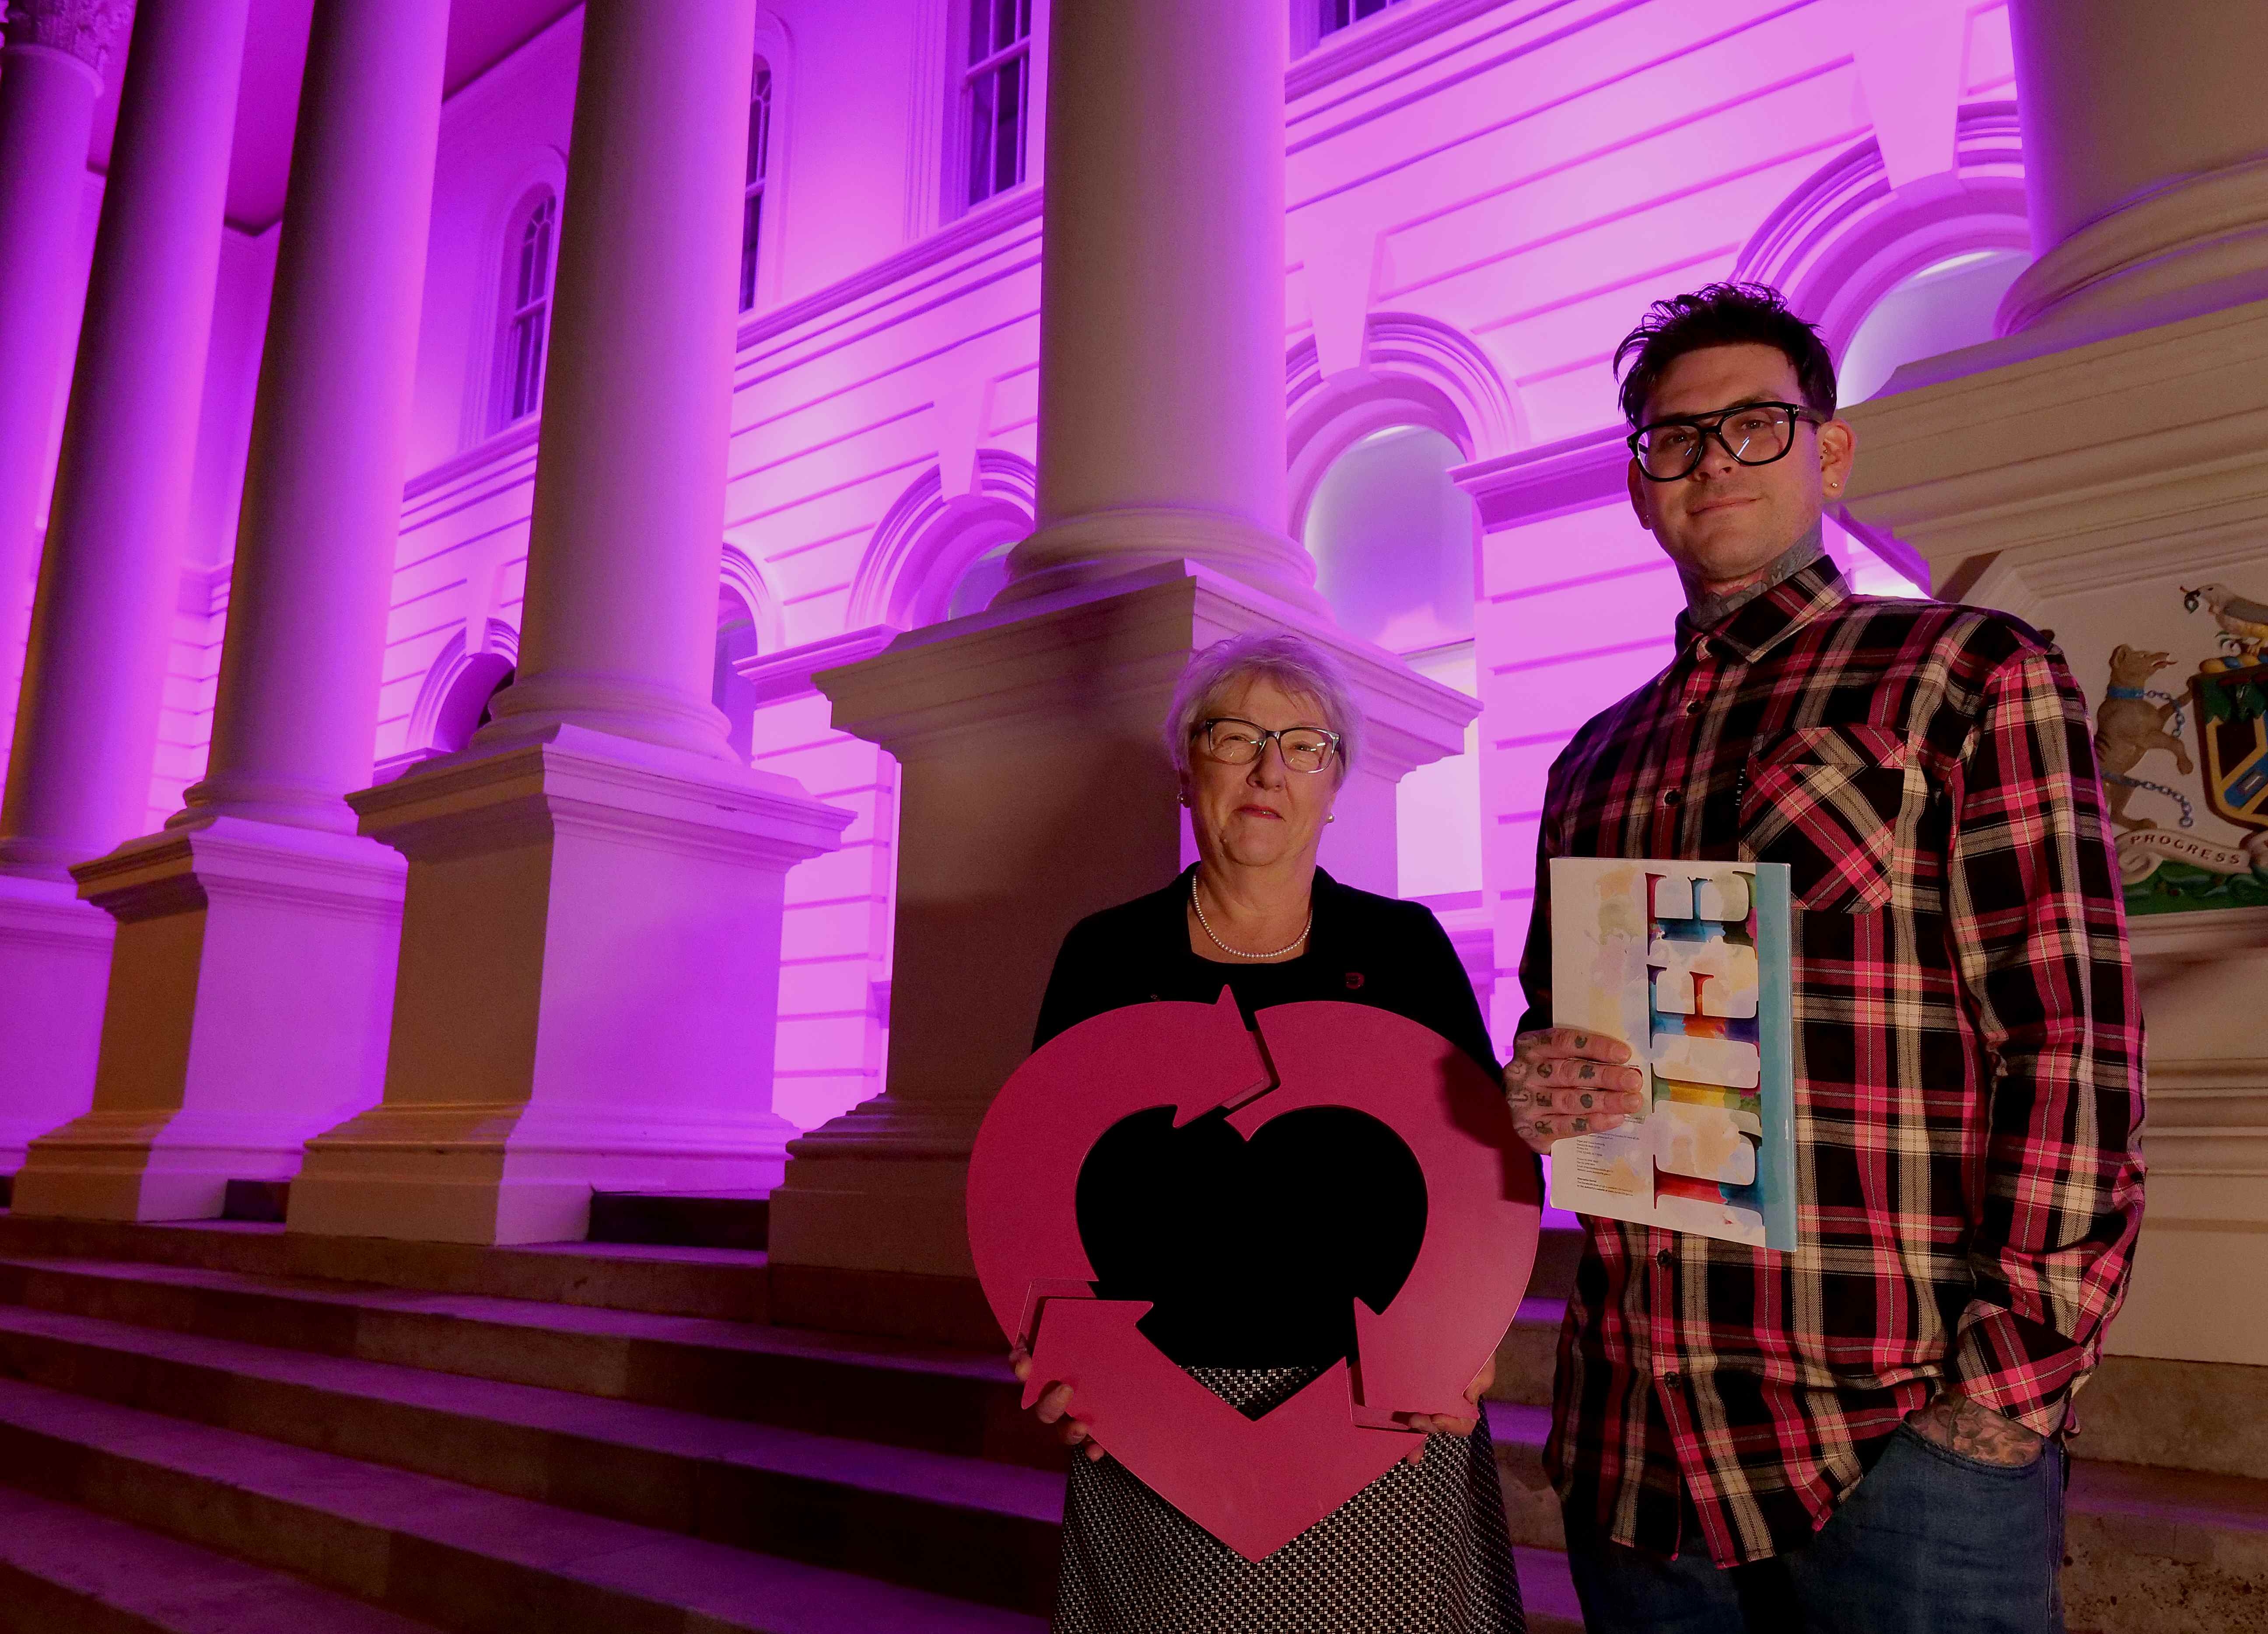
[1484, 197]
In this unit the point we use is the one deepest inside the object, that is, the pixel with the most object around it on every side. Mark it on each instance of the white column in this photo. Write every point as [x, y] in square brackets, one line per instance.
[53, 951]
[86, 728]
[1162, 300]
[1033, 788]
[591, 941]
[255, 951]
[2146, 162]
[51, 70]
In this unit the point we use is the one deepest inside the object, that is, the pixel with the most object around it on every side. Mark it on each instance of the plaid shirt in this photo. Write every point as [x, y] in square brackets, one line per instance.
[1968, 1060]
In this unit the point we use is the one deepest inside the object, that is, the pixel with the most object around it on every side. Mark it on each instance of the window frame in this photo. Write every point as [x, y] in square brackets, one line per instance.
[969, 74]
[763, 102]
[516, 309]
[1308, 32]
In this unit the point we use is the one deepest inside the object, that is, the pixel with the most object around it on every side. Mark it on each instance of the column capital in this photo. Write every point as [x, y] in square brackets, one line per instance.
[81, 29]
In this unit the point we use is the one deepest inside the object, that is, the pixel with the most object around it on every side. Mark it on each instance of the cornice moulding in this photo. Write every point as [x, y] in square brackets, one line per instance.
[778, 676]
[1372, 41]
[573, 780]
[994, 220]
[1127, 638]
[481, 459]
[182, 869]
[1576, 472]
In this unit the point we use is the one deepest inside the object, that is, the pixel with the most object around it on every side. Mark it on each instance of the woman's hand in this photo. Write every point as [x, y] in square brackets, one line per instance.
[1054, 1405]
[1562, 1082]
[1441, 1423]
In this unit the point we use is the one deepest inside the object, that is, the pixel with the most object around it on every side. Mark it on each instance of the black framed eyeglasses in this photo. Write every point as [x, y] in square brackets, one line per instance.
[1669, 450]
[1235, 742]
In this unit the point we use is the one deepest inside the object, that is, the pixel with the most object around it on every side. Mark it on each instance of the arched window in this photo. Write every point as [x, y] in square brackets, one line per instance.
[980, 581]
[996, 97]
[737, 642]
[1948, 305]
[466, 707]
[529, 251]
[1392, 537]
[1395, 542]
[752, 193]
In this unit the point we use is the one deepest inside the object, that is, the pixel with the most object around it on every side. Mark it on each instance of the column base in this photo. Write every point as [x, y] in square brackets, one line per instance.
[506, 1172]
[1035, 791]
[881, 1188]
[54, 963]
[589, 978]
[252, 975]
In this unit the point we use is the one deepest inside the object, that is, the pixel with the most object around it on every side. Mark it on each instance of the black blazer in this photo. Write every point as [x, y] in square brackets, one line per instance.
[1253, 1253]
[1365, 949]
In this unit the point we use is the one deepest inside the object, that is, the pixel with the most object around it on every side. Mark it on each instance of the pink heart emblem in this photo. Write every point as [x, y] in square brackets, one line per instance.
[1254, 1484]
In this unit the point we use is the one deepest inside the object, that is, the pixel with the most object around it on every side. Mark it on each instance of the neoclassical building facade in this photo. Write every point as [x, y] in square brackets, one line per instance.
[590, 585]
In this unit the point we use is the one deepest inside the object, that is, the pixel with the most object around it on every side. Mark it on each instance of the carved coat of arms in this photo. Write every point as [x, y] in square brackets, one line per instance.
[2232, 706]
[2225, 716]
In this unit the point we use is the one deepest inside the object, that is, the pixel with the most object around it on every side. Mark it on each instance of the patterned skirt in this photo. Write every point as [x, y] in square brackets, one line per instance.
[1422, 1549]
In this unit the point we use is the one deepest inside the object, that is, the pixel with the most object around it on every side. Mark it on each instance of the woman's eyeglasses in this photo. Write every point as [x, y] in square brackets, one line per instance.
[1235, 742]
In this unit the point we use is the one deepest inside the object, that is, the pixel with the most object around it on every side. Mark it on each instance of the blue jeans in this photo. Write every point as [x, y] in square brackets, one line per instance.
[1928, 1542]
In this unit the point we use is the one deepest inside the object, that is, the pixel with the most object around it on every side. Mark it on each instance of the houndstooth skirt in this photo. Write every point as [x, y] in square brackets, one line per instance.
[1422, 1549]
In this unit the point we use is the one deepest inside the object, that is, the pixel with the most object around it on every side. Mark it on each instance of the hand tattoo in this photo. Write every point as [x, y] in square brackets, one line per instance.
[1975, 1431]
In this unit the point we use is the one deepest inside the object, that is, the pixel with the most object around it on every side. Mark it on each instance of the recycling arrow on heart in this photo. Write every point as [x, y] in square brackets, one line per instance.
[1254, 1484]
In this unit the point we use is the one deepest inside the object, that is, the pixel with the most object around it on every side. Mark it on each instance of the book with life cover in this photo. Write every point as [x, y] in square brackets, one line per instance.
[1688, 964]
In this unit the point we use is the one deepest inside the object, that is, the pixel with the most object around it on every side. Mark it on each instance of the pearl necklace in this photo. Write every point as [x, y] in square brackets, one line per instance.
[1238, 953]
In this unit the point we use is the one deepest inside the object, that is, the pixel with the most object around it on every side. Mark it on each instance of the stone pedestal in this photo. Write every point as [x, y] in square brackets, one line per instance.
[2084, 490]
[54, 951]
[248, 992]
[589, 974]
[1036, 789]
[2205, 1236]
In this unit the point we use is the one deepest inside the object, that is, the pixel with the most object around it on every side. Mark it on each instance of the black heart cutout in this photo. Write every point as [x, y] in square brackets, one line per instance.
[1252, 1252]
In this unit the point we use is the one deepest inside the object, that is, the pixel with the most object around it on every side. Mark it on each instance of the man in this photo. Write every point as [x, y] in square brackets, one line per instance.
[1862, 1434]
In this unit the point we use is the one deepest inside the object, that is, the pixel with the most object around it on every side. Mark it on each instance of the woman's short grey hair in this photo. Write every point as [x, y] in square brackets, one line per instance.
[1296, 664]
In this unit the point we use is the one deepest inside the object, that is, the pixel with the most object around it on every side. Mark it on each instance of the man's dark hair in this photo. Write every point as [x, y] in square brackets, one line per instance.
[1723, 314]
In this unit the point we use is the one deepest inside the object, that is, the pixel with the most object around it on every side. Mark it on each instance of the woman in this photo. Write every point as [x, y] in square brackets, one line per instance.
[1262, 731]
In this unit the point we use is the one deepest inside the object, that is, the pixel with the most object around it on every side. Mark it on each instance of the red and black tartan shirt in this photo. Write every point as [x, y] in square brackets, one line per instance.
[1968, 1060]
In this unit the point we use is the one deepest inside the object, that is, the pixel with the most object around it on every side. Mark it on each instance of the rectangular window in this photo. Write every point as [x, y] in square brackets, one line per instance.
[529, 315]
[752, 197]
[526, 365]
[1337, 14]
[996, 95]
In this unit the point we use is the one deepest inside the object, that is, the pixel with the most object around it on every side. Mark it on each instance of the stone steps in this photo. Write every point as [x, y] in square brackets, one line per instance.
[436, 1386]
[894, 1392]
[727, 1285]
[64, 1569]
[780, 1441]
[969, 1528]
[456, 1557]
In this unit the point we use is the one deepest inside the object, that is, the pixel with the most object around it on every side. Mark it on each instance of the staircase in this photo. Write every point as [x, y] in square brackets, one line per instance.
[216, 1426]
